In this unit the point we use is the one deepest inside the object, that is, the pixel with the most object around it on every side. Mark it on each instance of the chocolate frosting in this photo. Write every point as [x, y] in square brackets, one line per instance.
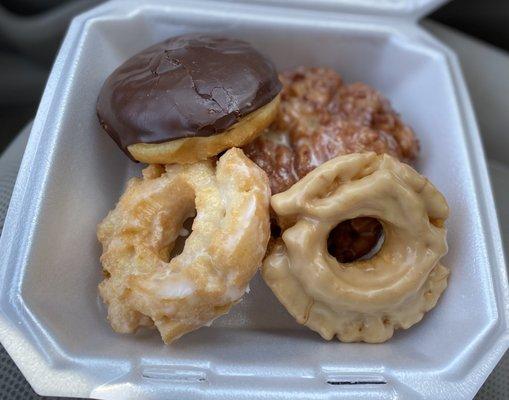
[190, 85]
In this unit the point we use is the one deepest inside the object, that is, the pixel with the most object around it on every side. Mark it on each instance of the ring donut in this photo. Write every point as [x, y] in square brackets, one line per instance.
[321, 117]
[362, 300]
[142, 285]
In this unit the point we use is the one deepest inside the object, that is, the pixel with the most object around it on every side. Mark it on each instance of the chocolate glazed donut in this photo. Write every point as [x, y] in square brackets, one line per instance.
[187, 86]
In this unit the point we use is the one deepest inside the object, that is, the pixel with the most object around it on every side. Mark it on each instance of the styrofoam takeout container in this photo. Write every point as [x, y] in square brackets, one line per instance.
[52, 322]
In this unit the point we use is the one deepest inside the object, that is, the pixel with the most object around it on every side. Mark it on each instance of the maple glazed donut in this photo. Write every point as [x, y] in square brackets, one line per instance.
[189, 98]
[321, 117]
[143, 284]
[365, 300]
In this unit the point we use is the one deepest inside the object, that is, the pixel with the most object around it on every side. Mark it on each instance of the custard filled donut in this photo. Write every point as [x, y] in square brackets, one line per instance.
[189, 98]
[362, 300]
[143, 284]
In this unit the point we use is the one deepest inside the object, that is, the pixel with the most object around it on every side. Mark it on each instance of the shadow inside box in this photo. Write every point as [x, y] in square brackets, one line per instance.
[207, 337]
[258, 309]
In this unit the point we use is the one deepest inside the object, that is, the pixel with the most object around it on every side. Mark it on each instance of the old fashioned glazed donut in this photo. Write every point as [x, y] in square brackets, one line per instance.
[143, 284]
[365, 300]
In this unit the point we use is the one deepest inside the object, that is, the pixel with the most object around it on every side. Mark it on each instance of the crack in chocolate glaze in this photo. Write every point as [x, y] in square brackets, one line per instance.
[186, 86]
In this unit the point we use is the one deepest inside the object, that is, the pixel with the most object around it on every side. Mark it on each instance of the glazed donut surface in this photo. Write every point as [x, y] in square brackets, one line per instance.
[192, 85]
[142, 285]
[364, 300]
[322, 117]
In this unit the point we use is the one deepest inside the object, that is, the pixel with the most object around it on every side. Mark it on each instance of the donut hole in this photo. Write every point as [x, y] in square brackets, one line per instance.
[183, 234]
[275, 229]
[355, 239]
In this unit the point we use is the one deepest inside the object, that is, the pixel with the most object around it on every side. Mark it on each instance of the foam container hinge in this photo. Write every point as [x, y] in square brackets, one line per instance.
[52, 322]
[410, 9]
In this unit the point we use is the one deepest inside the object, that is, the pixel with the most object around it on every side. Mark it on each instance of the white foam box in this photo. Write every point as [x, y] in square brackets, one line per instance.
[52, 322]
